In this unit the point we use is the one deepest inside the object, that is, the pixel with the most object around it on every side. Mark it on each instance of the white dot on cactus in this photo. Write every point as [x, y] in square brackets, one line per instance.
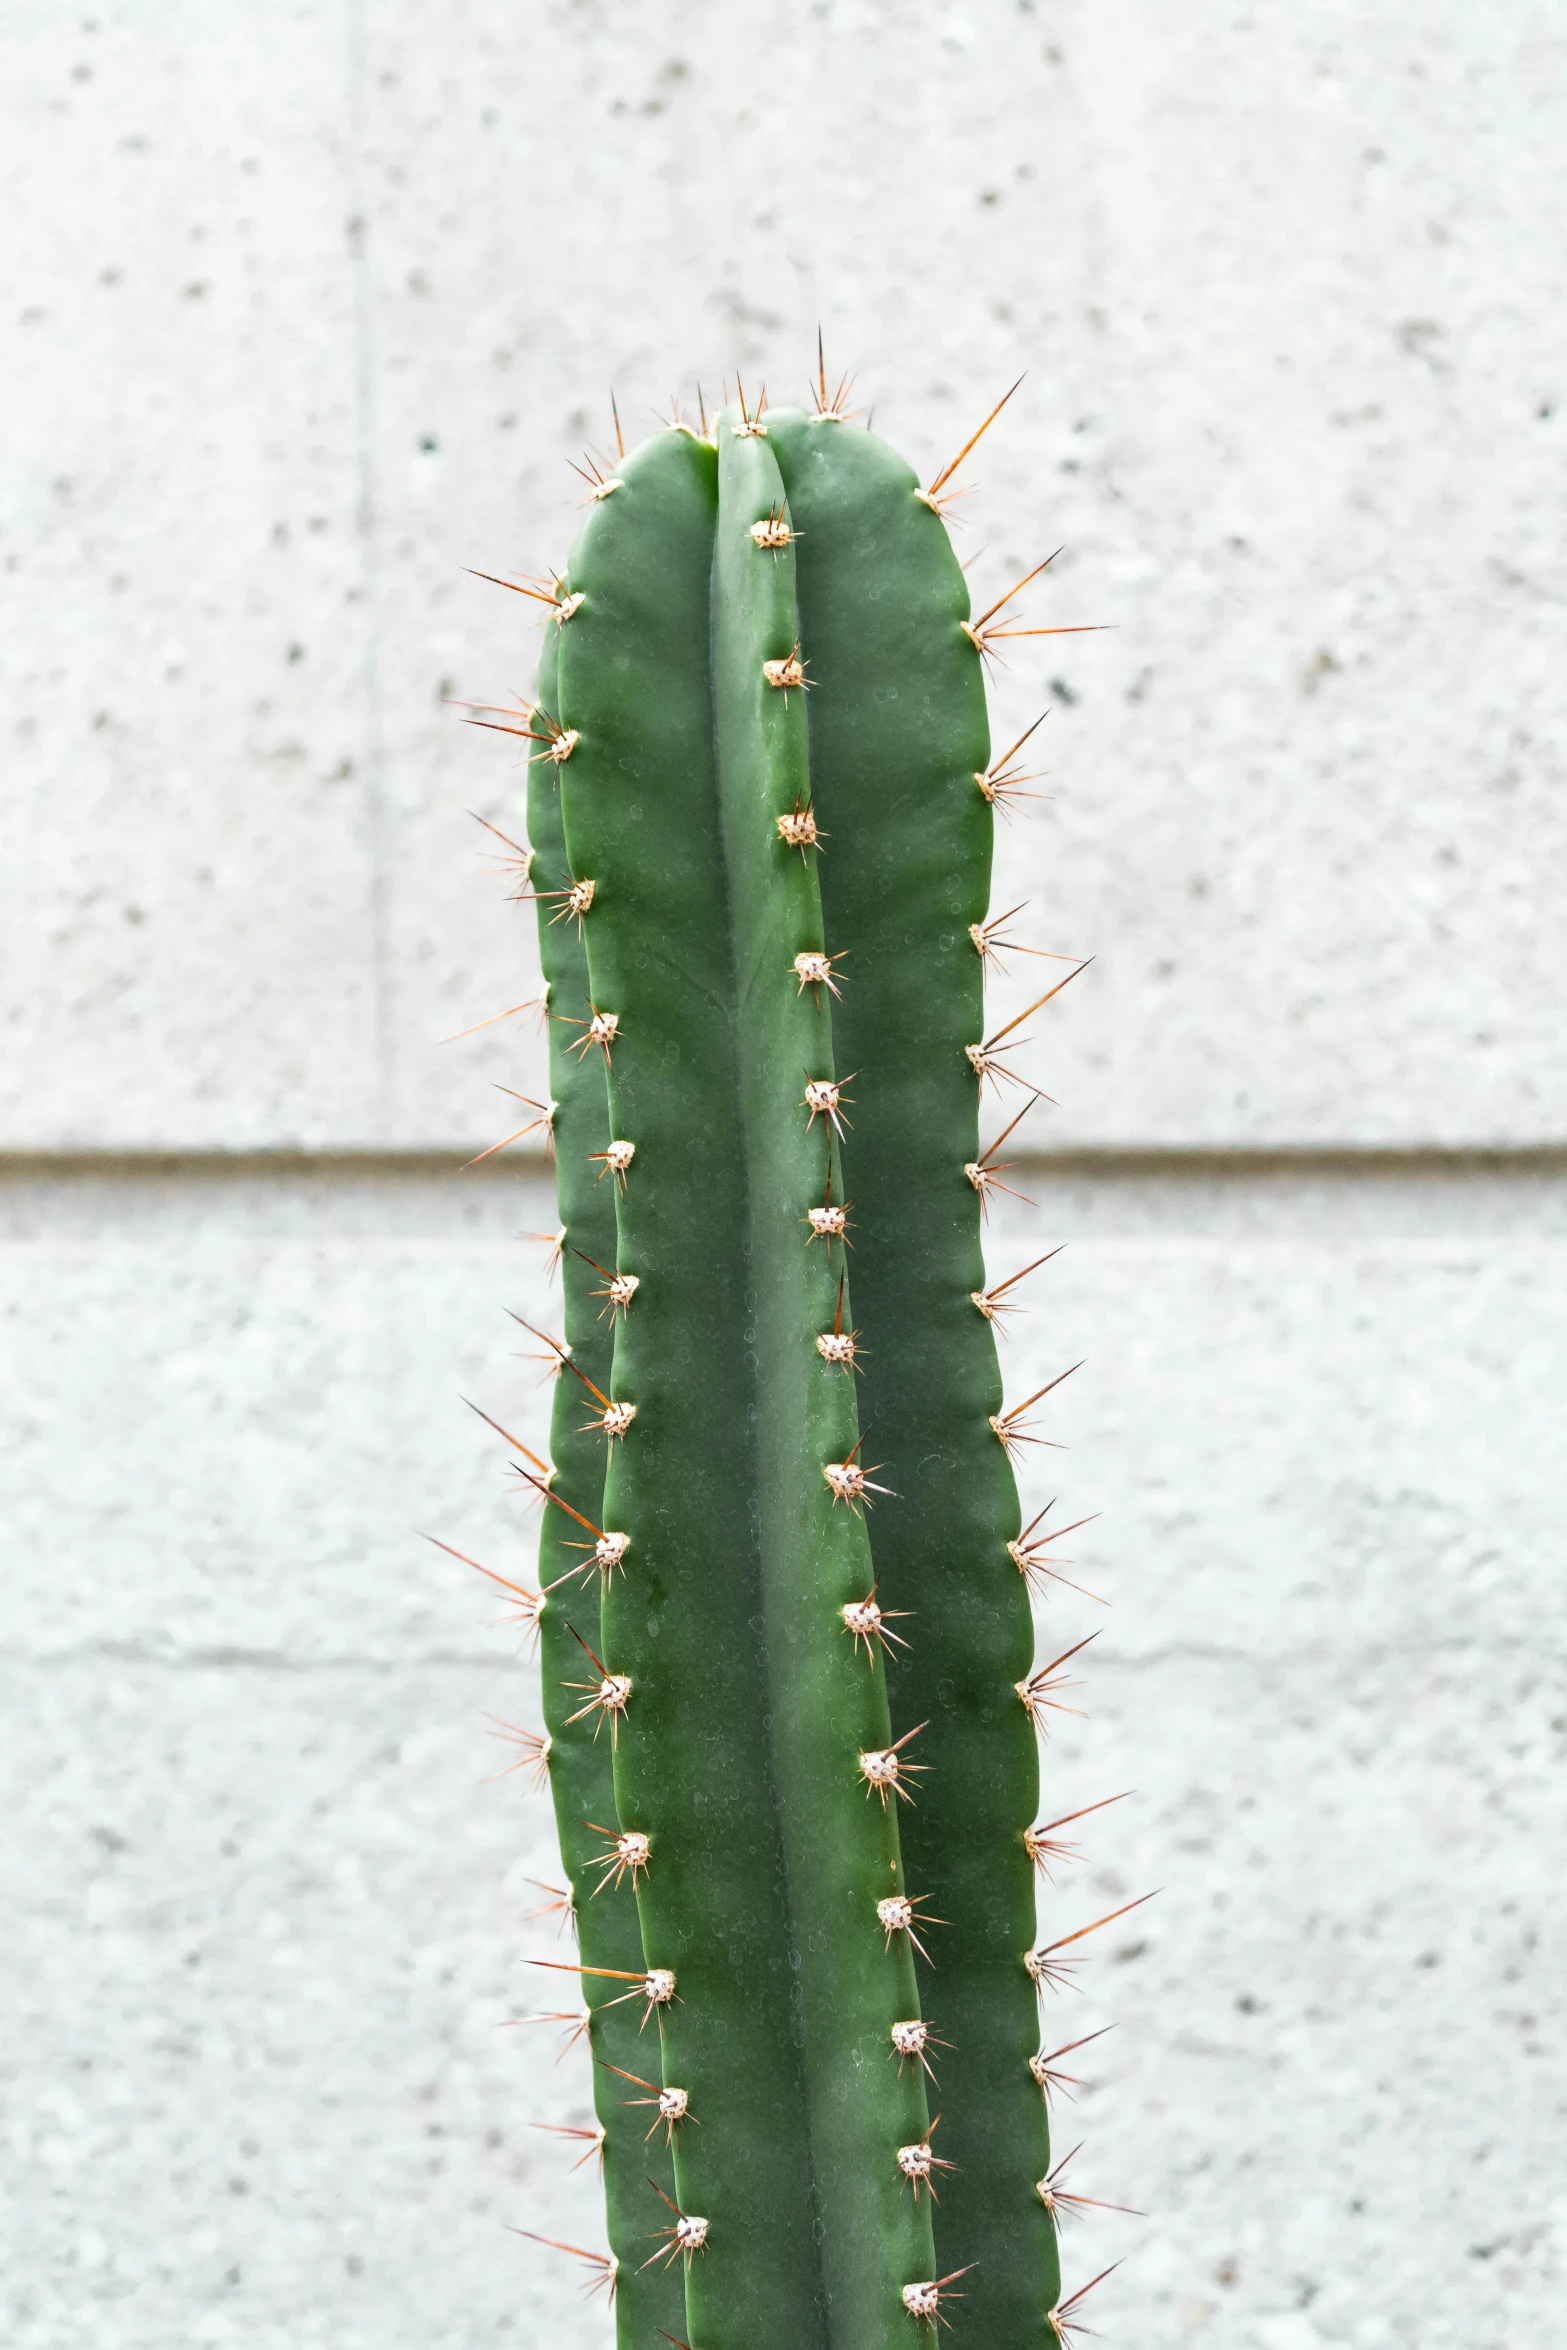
[616, 1159]
[862, 1616]
[798, 827]
[610, 1549]
[900, 1913]
[772, 531]
[848, 1482]
[824, 1099]
[829, 1223]
[787, 673]
[673, 2105]
[615, 1422]
[659, 1986]
[909, 2039]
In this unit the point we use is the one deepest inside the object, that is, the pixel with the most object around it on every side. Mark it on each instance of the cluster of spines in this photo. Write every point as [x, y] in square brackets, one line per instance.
[884, 1771]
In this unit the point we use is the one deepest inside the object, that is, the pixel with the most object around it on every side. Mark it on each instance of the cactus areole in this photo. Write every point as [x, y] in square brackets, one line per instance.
[786, 1622]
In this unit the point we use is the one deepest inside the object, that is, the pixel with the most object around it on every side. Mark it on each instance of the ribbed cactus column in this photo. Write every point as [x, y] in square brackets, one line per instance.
[580, 1762]
[896, 774]
[763, 712]
[753, 1732]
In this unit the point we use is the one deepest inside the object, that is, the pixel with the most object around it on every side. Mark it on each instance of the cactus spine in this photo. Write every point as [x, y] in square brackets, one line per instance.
[762, 740]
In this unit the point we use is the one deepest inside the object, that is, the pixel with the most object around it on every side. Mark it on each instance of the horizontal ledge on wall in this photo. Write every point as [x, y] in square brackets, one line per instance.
[1299, 1193]
[397, 1162]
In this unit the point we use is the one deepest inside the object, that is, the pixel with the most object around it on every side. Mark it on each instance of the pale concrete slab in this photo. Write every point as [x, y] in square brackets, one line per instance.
[259, 2085]
[1332, 1670]
[1294, 410]
[189, 898]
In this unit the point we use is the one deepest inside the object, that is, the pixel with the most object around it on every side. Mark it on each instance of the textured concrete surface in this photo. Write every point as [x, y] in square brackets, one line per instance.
[271, 1923]
[311, 304]
[317, 300]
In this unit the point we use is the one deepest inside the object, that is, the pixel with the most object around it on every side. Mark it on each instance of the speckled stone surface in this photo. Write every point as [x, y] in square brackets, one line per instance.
[272, 1921]
[311, 304]
[317, 301]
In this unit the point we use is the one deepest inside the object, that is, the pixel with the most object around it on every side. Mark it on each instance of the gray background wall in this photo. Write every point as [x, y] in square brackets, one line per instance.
[310, 305]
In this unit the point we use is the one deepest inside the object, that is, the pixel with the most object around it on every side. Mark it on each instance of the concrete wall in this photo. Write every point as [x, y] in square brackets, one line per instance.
[312, 303]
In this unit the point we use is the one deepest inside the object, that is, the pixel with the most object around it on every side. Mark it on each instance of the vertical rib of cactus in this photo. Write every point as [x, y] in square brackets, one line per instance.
[580, 1767]
[681, 1617]
[827, 1692]
[738, 1754]
[898, 732]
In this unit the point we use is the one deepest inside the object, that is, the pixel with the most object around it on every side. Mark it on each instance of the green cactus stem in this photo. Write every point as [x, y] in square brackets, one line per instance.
[601, 1866]
[751, 1704]
[896, 777]
[801, 1635]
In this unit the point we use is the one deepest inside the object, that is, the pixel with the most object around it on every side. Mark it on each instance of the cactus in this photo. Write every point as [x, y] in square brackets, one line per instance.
[761, 799]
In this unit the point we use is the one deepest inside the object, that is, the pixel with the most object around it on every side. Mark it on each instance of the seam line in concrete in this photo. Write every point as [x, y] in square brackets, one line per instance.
[1341, 1161]
[1461, 1647]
